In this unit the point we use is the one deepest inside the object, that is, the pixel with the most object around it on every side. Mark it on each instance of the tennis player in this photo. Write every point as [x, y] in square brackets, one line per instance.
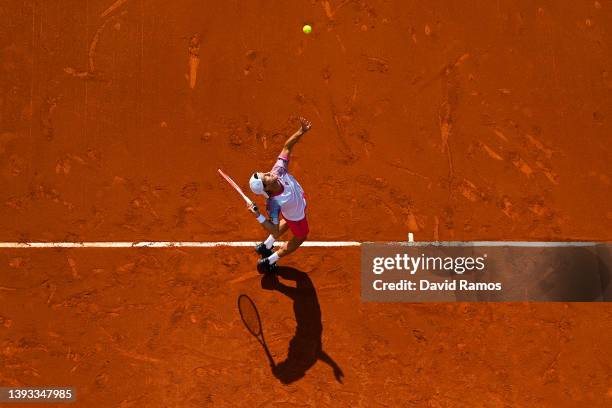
[284, 197]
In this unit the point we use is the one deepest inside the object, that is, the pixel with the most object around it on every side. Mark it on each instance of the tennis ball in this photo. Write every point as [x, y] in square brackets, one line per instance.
[307, 29]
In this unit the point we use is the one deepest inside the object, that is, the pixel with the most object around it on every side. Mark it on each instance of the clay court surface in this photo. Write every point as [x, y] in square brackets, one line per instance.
[452, 120]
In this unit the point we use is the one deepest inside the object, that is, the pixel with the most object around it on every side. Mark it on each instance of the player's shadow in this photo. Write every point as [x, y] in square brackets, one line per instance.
[305, 348]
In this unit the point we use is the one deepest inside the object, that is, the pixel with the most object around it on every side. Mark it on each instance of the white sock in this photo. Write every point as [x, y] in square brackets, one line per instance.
[273, 258]
[269, 242]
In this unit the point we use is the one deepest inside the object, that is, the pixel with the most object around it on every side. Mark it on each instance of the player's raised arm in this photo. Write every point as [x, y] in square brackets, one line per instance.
[305, 126]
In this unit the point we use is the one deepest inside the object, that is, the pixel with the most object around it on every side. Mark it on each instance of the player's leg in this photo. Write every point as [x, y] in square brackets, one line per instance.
[265, 248]
[268, 264]
[282, 228]
[293, 244]
[300, 233]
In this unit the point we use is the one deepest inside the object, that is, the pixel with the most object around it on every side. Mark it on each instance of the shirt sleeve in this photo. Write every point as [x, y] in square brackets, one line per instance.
[273, 209]
[281, 165]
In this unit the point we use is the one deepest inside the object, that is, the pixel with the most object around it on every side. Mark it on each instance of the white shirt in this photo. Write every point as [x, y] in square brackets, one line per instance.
[290, 202]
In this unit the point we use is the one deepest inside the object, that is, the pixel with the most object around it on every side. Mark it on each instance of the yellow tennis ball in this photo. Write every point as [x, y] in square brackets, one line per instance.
[307, 29]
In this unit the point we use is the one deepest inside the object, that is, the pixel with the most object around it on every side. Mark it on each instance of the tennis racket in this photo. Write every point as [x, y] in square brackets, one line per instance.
[238, 189]
[250, 318]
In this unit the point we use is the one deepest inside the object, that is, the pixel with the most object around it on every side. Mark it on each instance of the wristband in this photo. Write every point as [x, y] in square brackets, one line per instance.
[261, 219]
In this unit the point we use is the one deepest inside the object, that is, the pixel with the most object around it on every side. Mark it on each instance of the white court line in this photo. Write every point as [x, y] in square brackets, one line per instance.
[500, 244]
[165, 244]
[315, 244]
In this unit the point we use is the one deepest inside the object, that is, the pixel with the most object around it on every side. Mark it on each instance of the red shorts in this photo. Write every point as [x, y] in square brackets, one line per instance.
[298, 228]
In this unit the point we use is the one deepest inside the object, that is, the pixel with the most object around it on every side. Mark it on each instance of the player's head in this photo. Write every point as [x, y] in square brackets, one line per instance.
[260, 183]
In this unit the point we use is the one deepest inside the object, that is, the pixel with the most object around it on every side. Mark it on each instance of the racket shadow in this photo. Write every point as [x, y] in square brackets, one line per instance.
[305, 348]
[252, 321]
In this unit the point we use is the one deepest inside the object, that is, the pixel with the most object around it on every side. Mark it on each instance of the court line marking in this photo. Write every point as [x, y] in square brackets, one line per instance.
[315, 244]
[165, 244]
[553, 244]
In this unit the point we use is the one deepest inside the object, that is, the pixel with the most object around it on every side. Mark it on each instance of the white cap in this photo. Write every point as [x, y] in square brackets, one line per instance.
[256, 185]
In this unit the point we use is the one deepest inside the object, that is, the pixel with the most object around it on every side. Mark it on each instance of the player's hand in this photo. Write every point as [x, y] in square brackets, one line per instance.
[305, 124]
[253, 208]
